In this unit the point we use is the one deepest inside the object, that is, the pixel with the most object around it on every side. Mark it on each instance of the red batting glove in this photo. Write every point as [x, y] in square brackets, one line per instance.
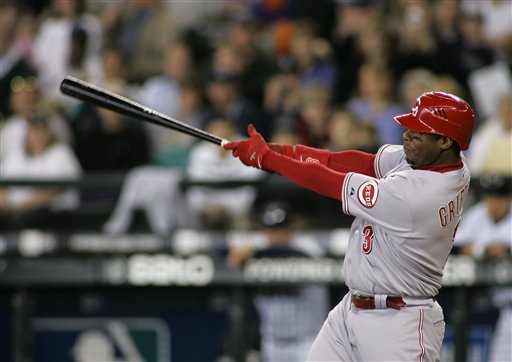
[250, 151]
[286, 150]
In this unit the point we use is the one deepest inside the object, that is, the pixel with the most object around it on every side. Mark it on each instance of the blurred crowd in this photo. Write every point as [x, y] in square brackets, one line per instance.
[329, 74]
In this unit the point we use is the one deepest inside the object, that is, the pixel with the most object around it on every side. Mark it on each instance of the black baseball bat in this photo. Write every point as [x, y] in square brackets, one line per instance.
[98, 96]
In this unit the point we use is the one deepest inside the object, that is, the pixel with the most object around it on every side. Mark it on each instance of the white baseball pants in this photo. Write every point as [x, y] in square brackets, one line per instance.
[414, 333]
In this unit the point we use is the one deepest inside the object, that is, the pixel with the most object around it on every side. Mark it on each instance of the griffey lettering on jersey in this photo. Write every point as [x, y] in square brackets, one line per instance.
[452, 210]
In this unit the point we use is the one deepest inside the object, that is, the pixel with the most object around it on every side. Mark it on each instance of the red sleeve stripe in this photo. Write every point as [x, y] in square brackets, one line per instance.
[377, 161]
[345, 193]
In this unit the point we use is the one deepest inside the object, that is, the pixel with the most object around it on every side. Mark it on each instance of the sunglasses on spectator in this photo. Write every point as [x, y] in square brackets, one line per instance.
[28, 84]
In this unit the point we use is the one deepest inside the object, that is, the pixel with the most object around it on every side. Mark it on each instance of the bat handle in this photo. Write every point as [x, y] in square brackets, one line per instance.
[224, 142]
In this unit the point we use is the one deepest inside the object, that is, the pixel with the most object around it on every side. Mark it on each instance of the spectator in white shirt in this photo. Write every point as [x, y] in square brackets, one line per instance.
[220, 207]
[43, 158]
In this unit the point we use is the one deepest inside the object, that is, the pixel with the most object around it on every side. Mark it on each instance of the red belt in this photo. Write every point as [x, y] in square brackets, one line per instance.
[368, 302]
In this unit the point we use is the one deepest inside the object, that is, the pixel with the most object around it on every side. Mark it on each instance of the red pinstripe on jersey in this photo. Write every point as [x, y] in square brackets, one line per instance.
[345, 192]
[420, 331]
[378, 172]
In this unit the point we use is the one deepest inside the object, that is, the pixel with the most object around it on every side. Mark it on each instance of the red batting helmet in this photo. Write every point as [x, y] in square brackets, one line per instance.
[443, 114]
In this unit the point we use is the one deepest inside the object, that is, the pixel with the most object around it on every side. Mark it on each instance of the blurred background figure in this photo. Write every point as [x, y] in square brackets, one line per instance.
[414, 83]
[42, 157]
[346, 132]
[175, 148]
[416, 45]
[108, 141]
[475, 51]
[313, 116]
[282, 95]
[447, 83]
[375, 103]
[227, 101]
[162, 92]
[446, 17]
[26, 97]
[243, 55]
[491, 149]
[15, 50]
[350, 47]
[113, 67]
[220, 208]
[289, 316]
[312, 57]
[495, 15]
[68, 42]
[143, 29]
[485, 232]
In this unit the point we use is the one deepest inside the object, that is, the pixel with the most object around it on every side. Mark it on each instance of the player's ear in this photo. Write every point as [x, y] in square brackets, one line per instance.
[444, 142]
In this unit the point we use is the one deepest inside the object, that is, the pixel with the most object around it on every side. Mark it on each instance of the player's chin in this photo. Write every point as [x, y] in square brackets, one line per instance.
[410, 161]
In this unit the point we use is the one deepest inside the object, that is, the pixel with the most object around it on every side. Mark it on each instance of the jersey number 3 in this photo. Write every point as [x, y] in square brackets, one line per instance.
[368, 239]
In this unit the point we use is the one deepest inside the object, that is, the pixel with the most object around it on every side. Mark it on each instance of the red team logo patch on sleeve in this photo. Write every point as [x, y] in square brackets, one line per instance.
[367, 193]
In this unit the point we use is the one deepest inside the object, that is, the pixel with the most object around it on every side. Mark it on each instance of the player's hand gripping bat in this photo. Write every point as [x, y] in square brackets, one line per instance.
[91, 93]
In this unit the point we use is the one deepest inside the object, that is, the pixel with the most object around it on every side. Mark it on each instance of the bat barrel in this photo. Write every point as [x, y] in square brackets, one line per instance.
[90, 93]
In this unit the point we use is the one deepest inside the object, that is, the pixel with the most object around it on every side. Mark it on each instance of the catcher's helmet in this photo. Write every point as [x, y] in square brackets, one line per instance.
[443, 114]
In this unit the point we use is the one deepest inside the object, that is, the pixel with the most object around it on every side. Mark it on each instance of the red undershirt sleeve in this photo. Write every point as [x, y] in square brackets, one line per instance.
[310, 175]
[353, 161]
[342, 161]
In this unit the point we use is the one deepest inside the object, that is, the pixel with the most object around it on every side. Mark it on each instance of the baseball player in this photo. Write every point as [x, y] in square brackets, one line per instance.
[280, 340]
[407, 201]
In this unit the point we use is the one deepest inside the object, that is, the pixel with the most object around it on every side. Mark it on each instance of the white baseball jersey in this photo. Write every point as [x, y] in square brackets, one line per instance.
[405, 221]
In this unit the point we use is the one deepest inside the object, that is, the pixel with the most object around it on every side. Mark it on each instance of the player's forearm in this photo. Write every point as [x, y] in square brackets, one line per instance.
[353, 161]
[343, 161]
[310, 175]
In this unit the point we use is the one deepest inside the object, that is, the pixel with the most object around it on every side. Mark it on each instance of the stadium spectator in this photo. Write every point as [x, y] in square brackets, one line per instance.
[414, 82]
[285, 136]
[43, 157]
[374, 103]
[305, 305]
[191, 111]
[475, 52]
[445, 25]
[143, 29]
[346, 132]
[14, 60]
[256, 64]
[495, 15]
[68, 42]
[485, 233]
[312, 56]
[353, 18]
[492, 143]
[373, 46]
[416, 44]
[113, 66]
[314, 111]
[226, 60]
[227, 101]
[25, 99]
[224, 207]
[108, 141]
[162, 92]
[282, 96]
[448, 84]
